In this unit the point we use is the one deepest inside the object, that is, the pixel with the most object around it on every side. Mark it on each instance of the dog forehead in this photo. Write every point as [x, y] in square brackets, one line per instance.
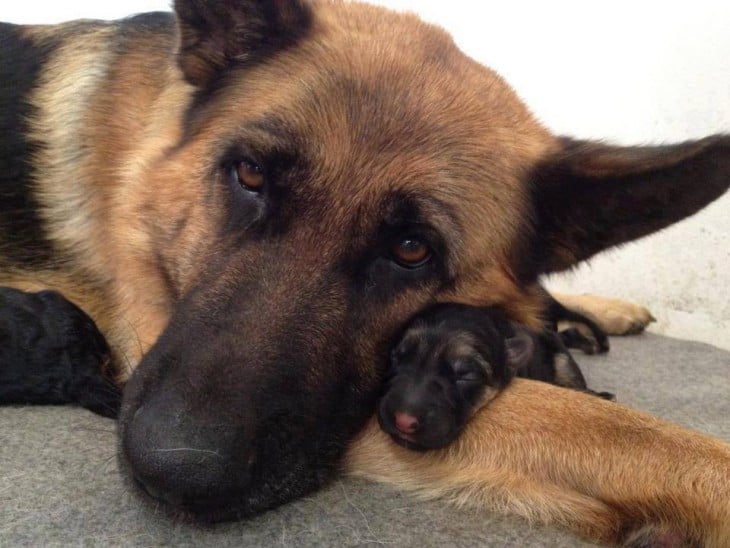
[380, 102]
[394, 71]
[366, 80]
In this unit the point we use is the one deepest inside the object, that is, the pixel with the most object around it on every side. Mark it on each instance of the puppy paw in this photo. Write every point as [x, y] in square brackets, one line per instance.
[580, 336]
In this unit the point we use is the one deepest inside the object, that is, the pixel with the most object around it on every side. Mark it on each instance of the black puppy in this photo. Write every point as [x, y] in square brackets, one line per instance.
[452, 360]
[51, 352]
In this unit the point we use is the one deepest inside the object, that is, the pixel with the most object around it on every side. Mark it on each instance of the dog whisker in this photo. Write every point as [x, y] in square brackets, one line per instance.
[187, 450]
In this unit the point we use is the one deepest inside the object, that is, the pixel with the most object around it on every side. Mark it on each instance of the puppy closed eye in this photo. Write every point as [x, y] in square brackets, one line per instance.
[471, 371]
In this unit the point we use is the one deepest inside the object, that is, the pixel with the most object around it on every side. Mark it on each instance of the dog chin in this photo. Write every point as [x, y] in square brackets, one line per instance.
[414, 443]
[259, 499]
[204, 513]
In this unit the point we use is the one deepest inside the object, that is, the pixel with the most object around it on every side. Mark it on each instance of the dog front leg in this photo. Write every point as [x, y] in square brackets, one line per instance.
[614, 316]
[560, 457]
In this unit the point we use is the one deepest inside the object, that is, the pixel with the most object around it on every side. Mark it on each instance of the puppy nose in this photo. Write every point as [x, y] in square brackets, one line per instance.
[405, 423]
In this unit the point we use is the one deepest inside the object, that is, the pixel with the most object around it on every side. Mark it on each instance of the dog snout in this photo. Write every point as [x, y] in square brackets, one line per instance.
[184, 461]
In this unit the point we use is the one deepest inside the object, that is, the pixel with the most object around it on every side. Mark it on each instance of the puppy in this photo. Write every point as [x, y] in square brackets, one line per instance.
[52, 352]
[454, 359]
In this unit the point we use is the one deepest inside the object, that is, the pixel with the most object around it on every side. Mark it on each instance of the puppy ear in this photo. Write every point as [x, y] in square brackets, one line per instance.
[218, 34]
[520, 349]
[592, 196]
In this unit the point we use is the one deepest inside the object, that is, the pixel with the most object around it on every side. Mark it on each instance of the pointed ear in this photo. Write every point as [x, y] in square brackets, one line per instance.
[218, 34]
[520, 349]
[593, 196]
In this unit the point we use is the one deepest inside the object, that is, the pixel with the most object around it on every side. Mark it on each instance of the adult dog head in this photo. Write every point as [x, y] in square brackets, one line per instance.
[340, 167]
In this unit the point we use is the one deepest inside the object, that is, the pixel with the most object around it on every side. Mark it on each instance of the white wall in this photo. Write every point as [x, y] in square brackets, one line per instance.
[631, 72]
[627, 71]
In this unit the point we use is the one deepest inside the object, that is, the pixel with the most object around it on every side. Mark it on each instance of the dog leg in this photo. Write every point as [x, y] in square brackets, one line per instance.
[491, 488]
[614, 316]
[561, 457]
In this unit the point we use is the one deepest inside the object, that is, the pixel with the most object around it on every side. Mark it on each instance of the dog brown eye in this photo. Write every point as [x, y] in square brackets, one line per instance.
[411, 252]
[250, 175]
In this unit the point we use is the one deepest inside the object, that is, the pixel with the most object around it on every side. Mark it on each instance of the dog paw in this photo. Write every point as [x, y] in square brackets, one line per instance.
[614, 316]
[623, 318]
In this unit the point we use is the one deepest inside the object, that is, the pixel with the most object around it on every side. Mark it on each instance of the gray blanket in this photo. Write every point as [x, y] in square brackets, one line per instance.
[59, 483]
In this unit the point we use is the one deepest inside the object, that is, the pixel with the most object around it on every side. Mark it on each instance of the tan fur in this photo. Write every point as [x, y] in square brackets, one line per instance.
[557, 456]
[552, 455]
[614, 316]
[63, 180]
[100, 205]
[90, 200]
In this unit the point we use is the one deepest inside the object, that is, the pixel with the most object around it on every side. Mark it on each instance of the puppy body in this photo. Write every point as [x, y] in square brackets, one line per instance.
[52, 352]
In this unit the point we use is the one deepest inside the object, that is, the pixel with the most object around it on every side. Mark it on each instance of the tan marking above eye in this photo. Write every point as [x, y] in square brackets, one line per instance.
[411, 252]
[250, 175]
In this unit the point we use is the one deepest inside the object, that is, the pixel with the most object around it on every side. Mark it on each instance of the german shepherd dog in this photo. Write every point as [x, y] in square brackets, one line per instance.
[251, 198]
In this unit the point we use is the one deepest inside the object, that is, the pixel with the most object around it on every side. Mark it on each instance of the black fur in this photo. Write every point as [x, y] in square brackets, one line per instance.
[22, 239]
[572, 337]
[247, 33]
[266, 362]
[592, 197]
[51, 352]
[448, 356]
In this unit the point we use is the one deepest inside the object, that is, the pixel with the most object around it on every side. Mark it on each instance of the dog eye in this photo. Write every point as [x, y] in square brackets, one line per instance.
[411, 252]
[249, 175]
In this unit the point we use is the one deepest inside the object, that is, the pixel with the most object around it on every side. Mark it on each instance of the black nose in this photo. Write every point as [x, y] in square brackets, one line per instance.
[187, 462]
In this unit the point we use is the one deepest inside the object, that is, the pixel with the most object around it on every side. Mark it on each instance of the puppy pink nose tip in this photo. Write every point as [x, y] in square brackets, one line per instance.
[405, 423]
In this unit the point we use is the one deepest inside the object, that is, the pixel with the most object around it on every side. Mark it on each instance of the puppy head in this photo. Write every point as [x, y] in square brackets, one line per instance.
[450, 361]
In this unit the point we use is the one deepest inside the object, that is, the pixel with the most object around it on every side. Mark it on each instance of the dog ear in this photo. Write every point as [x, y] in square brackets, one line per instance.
[218, 34]
[520, 349]
[593, 196]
